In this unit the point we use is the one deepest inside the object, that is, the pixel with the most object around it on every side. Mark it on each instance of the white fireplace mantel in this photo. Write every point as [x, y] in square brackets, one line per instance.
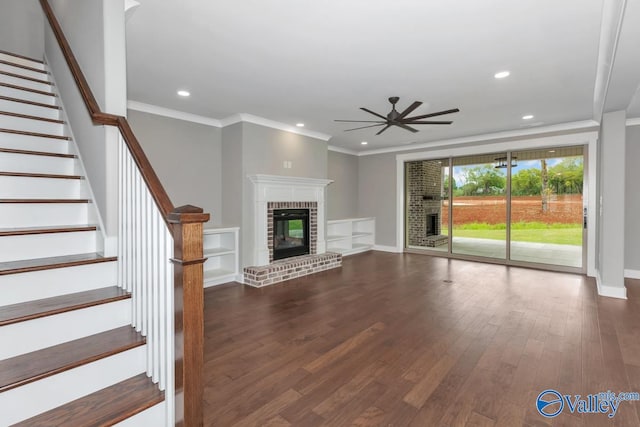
[277, 188]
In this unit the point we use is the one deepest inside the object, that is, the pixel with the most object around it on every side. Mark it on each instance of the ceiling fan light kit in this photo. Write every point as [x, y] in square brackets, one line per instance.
[394, 118]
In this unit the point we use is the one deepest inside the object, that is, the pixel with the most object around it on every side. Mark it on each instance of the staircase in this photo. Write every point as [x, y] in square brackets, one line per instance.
[68, 353]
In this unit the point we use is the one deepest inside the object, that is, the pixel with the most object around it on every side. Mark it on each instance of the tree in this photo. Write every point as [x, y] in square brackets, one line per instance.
[484, 180]
[568, 175]
[527, 182]
[445, 185]
[545, 185]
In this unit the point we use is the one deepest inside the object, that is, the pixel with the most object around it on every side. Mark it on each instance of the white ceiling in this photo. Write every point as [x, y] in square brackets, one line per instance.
[316, 61]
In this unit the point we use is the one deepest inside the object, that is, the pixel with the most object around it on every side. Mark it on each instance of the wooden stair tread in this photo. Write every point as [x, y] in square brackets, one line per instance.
[24, 231]
[44, 200]
[37, 153]
[27, 89]
[24, 67]
[38, 134]
[38, 264]
[24, 101]
[35, 309]
[27, 116]
[103, 408]
[29, 367]
[39, 175]
[20, 76]
[17, 55]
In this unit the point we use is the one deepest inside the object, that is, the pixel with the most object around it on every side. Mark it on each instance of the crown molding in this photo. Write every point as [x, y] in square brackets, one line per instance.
[257, 120]
[227, 121]
[174, 114]
[610, 29]
[634, 121]
[584, 125]
[342, 150]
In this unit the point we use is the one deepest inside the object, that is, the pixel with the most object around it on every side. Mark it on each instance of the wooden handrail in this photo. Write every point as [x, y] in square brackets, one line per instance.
[99, 117]
[185, 224]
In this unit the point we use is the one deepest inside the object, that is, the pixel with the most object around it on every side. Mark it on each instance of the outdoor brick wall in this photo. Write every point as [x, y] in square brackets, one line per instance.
[313, 222]
[424, 178]
[290, 268]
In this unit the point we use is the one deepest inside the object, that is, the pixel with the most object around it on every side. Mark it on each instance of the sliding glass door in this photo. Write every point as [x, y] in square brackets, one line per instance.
[522, 207]
[547, 206]
[480, 206]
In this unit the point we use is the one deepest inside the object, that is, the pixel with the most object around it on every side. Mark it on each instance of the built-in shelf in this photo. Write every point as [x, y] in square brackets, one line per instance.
[221, 251]
[351, 236]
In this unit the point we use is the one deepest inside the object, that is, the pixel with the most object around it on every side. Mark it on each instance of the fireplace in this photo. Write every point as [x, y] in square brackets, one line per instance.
[290, 233]
[432, 224]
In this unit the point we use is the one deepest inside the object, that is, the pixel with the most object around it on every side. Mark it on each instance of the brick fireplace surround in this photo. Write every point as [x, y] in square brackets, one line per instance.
[313, 222]
[280, 192]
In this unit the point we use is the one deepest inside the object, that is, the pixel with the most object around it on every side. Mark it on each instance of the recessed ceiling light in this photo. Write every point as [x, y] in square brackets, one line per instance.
[527, 117]
[300, 125]
[183, 93]
[364, 143]
[501, 74]
[552, 151]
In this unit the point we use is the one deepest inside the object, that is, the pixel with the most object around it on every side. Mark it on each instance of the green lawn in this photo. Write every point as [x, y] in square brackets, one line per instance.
[562, 234]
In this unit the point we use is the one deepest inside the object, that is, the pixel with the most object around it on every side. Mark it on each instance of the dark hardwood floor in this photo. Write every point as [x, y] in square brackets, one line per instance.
[413, 340]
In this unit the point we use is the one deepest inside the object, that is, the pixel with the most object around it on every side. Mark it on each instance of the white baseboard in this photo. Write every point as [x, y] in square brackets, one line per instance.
[383, 248]
[632, 274]
[610, 291]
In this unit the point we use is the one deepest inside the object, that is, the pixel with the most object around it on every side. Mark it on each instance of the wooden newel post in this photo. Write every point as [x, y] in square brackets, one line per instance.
[189, 313]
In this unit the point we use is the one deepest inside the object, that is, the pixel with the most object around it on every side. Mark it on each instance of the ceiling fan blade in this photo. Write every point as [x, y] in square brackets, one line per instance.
[409, 109]
[364, 127]
[439, 113]
[383, 129]
[427, 122]
[361, 121]
[403, 126]
[374, 113]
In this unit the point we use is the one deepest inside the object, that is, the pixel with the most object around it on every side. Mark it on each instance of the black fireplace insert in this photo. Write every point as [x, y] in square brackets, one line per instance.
[432, 225]
[290, 233]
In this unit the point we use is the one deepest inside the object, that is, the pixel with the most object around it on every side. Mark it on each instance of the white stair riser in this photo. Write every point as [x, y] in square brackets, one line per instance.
[21, 61]
[14, 248]
[34, 143]
[13, 187]
[25, 83]
[23, 72]
[23, 287]
[29, 109]
[17, 215]
[27, 95]
[154, 416]
[37, 334]
[34, 398]
[36, 164]
[31, 125]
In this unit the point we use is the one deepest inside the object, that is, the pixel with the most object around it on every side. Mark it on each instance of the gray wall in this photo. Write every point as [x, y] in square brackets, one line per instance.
[232, 175]
[265, 150]
[249, 149]
[611, 226]
[21, 27]
[342, 194]
[83, 25]
[187, 158]
[377, 194]
[632, 200]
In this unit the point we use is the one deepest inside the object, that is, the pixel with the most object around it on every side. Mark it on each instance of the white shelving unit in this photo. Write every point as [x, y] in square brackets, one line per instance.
[351, 236]
[221, 251]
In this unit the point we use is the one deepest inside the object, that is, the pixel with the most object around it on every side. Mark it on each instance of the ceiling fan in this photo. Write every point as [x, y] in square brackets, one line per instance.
[394, 118]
